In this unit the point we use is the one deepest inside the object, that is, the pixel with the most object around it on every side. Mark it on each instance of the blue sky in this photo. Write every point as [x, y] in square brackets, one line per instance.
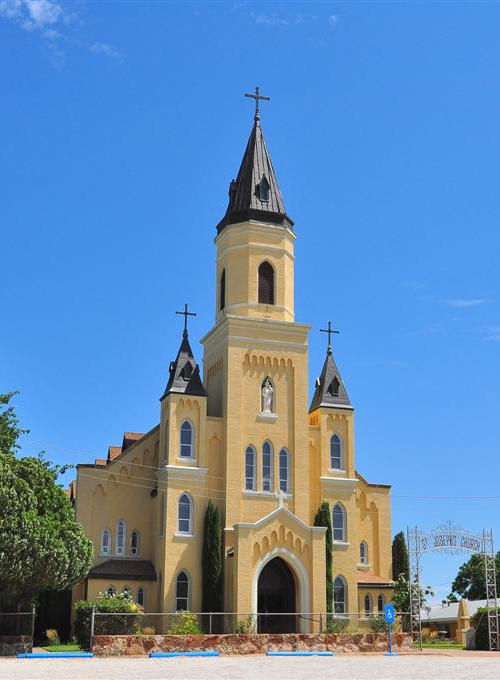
[123, 123]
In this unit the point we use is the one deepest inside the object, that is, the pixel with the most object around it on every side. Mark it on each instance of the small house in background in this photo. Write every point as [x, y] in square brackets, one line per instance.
[451, 620]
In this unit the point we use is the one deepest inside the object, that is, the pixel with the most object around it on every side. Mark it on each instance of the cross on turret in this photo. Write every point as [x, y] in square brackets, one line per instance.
[185, 314]
[330, 332]
[257, 96]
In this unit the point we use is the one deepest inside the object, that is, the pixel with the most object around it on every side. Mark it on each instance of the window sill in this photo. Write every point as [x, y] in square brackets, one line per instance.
[267, 417]
[341, 544]
[336, 471]
[181, 534]
[265, 494]
[185, 459]
[363, 565]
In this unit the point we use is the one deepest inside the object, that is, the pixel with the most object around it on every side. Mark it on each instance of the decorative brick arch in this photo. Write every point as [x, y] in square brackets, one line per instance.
[301, 576]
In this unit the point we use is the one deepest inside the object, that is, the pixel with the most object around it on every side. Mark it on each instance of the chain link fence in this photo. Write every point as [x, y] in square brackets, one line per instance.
[16, 632]
[189, 623]
[17, 623]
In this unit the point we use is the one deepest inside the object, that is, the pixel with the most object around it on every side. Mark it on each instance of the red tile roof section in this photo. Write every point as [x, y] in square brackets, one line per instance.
[114, 452]
[366, 577]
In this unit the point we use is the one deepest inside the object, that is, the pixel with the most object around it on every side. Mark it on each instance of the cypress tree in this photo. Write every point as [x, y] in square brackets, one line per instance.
[400, 557]
[212, 561]
[323, 519]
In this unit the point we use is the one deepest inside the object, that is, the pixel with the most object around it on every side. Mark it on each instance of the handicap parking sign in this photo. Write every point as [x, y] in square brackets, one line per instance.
[389, 613]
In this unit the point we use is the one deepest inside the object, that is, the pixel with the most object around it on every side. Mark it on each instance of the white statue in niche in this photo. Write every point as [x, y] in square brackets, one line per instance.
[267, 396]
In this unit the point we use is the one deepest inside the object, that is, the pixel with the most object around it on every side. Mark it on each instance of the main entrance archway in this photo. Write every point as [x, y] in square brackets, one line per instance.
[276, 598]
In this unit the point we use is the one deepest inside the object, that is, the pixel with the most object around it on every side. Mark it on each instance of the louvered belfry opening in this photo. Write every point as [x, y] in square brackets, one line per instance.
[222, 298]
[266, 284]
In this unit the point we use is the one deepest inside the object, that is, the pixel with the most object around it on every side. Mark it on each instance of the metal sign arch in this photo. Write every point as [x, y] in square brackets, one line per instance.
[450, 539]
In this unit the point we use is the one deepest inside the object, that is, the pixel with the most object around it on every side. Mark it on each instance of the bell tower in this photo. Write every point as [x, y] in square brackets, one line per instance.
[255, 356]
[255, 260]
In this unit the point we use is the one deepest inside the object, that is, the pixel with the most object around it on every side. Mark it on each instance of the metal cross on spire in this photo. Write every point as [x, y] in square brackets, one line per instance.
[330, 332]
[257, 96]
[185, 314]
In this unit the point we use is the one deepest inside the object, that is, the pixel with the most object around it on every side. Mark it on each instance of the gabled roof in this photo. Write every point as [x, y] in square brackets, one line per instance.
[272, 515]
[330, 390]
[255, 193]
[135, 570]
[130, 438]
[184, 373]
[113, 452]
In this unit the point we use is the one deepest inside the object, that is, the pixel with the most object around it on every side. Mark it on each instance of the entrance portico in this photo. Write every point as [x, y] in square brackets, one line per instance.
[271, 571]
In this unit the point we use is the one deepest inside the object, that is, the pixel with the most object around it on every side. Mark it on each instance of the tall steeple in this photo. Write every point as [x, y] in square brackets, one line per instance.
[255, 193]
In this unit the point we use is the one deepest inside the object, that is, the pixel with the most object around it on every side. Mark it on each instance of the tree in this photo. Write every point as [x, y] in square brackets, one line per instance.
[399, 557]
[9, 425]
[42, 547]
[212, 561]
[469, 581]
[480, 624]
[323, 519]
[401, 597]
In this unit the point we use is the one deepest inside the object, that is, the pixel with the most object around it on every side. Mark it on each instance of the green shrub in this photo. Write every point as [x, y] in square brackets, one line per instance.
[377, 624]
[185, 623]
[245, 626]
[148, 630]
[480, 623]
[336, 624]
[52, 636]
[106, 625]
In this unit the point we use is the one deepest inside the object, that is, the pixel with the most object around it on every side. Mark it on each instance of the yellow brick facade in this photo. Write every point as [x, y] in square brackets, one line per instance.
[250, 342]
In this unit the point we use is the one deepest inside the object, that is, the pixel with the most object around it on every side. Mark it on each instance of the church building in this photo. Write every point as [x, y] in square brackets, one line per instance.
[242, 433]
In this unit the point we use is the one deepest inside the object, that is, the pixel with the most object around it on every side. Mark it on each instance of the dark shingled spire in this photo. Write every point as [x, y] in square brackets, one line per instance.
[330, 390]
[184, 372]
[255, 194]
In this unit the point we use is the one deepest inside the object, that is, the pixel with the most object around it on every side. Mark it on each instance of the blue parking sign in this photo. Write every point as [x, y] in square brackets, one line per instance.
[389, 613]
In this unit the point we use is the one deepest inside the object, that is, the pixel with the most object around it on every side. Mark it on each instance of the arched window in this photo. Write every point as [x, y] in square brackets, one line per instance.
[182, 592]
[266, 284]
[368, 604]
[284, 471]
[126, 591]
[110, 591]
[121, 535]
[187, 447]
[336, 452]
[250, 469]
[380, 603]
[334, 387]
[340, 595]
[222, 294]
[363, 553]
[140, 597]
[262, 189]
[134, 542]
[339, 523]
[267, 466]
[161, 523]
[106, 542]
[185, 524]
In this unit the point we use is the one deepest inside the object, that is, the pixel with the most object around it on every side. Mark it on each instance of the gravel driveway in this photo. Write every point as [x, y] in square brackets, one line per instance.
[257, 668]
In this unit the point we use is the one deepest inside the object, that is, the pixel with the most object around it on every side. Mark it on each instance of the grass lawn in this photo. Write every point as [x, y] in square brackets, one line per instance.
[62, 648]
[442, 644]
